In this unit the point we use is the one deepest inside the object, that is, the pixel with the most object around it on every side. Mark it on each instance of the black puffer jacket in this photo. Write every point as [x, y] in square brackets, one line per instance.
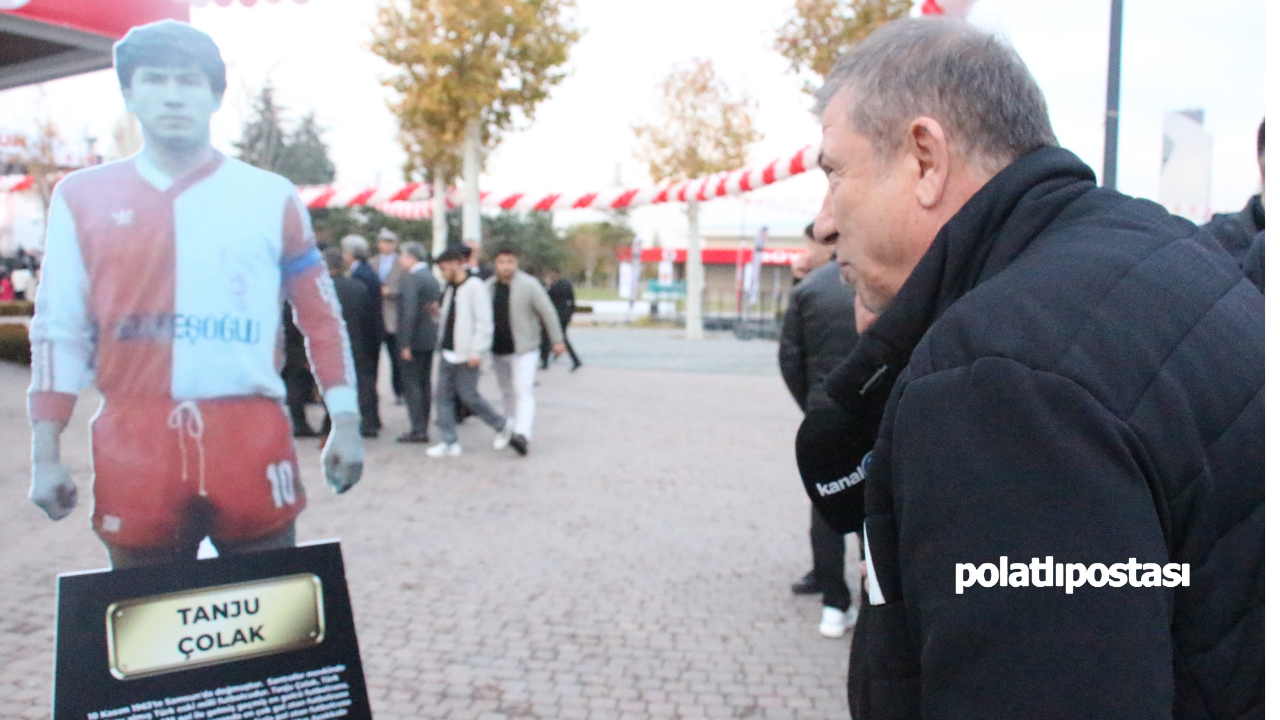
[1065, 373]
[818, 333]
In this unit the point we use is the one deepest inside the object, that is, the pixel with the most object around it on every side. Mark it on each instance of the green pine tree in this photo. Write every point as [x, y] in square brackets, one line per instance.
[305, 159]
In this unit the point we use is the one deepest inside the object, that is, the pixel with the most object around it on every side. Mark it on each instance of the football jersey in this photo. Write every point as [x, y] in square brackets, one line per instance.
[155, 288]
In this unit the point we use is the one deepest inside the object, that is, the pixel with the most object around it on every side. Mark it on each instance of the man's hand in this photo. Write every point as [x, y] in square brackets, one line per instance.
[406, 354]
[52, 489]
[473, 362]
[51, 485]
[343, 455]
[558, 349]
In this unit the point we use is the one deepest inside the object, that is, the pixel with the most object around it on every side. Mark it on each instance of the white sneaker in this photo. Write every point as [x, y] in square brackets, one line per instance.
[443, 449]
[833, 622]
[503, 438]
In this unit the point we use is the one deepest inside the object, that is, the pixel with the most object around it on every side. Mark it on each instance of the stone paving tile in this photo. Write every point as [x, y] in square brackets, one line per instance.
[635, 565]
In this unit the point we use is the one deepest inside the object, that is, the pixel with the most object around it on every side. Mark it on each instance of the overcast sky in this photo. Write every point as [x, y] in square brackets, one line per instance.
[1177, 54]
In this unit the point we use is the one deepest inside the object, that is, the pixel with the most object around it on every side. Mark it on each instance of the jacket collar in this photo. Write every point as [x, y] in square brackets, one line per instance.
[983, 238]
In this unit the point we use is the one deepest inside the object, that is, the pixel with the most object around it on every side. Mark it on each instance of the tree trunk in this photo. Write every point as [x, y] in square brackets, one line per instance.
[471, 178]
[693, 278]
[439, 224]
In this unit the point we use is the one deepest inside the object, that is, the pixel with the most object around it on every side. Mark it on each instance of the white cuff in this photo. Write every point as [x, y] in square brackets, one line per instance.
[341, 399]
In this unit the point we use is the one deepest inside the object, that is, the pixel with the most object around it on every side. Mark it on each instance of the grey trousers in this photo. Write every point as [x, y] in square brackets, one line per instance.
[458, 381]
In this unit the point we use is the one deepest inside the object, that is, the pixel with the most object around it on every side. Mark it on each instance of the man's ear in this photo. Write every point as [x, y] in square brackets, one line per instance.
[218, 97]
[930, 157]
[127, 92]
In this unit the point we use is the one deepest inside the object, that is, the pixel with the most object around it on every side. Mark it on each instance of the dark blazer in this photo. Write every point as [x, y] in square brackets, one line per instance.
[561, 294]
[1236, 231]
[368, 277]
[1075, 373]
[359, 312]
[818, 333]
[415, 326]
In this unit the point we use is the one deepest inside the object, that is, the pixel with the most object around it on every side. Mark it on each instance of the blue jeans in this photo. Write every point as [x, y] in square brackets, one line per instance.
[458, 381]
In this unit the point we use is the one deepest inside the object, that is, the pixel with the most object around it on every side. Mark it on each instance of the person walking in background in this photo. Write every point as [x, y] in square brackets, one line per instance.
[6, 286]
[360, 313]
[22, 281]
[1236, 232]
[561, 293]
[471, 259]
[355, 255]
[419, 297]
[818, 333]
[521, 310]
[466, 334]
[299, 385]
[389, 271]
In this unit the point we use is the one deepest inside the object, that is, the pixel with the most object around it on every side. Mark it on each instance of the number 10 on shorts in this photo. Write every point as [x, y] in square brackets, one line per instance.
[280, 475]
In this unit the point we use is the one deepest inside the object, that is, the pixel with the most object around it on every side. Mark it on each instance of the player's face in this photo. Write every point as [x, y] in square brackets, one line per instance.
[505, 267]
[173, 105]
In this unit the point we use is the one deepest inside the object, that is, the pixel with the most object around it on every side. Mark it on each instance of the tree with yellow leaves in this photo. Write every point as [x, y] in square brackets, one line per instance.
[820, 31]
[702, 128]
[466, 72]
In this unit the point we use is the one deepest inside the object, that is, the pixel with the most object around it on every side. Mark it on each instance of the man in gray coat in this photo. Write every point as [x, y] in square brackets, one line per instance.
[521, 309]
[419, 296]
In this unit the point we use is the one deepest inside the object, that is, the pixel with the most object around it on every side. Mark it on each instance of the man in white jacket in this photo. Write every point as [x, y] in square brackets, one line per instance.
[466, 335]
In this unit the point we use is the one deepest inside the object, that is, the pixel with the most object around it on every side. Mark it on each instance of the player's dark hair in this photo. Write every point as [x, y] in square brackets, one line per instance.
[453, 253]
[169, 43]
[507, 249]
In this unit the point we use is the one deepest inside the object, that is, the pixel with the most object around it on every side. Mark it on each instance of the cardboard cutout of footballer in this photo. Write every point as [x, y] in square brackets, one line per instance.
[162, 286]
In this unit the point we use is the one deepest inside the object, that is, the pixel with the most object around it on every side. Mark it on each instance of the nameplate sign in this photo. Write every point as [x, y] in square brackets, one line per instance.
[265, 635]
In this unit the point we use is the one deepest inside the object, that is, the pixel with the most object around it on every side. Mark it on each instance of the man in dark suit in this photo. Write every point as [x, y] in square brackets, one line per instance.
[819, 332]
[416, 336]
[364, 330]
[355, 254]
[561, 293]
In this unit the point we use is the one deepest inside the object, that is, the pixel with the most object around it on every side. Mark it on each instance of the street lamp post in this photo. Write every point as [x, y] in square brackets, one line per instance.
[1113, 97]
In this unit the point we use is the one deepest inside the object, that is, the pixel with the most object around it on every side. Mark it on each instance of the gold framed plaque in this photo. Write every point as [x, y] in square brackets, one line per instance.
[195, 628]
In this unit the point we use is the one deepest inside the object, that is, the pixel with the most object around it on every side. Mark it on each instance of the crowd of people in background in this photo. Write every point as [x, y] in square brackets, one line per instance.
[445, 323]
[19, 276]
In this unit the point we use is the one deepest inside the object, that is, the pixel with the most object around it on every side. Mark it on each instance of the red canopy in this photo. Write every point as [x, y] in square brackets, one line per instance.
[46, 39]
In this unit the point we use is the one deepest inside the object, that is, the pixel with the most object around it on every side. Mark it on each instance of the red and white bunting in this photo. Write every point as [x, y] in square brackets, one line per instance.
[412, 201]
[224, 3]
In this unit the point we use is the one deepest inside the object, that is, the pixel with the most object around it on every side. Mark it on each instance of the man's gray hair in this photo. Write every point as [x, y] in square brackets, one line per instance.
[415, 250]
[357, 246]
[968, 80]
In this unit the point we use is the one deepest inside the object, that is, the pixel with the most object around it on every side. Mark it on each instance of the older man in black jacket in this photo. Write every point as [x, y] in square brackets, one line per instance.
[818, 333]
[1064, 503]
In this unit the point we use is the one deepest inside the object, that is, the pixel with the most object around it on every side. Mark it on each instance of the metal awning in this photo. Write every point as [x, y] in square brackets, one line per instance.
[47, 39]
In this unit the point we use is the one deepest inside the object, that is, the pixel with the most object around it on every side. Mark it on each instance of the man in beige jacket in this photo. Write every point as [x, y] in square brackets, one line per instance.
[521, 309]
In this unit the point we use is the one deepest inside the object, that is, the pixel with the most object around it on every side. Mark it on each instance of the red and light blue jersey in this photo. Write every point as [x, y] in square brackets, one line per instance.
[153, 288]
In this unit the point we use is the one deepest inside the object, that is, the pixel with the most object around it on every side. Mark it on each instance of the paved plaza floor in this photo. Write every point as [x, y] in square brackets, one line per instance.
[635, 565]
